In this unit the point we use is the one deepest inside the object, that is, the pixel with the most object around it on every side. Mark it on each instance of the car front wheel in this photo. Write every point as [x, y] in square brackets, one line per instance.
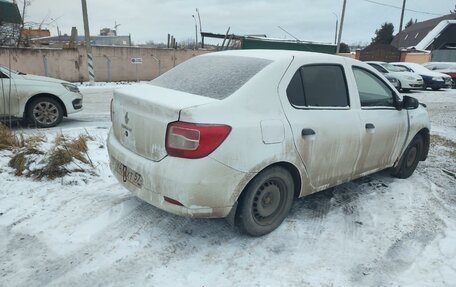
[410, 158]
[266, 201]
[45, 112]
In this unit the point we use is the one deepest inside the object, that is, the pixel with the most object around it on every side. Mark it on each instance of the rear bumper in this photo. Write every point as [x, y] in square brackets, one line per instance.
[205, 187]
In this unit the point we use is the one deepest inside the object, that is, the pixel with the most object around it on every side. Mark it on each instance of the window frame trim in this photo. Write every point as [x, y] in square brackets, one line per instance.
[395, 96]
[309, 107]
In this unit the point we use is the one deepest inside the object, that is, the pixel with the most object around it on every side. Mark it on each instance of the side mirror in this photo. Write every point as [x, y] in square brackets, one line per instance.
[410, 103]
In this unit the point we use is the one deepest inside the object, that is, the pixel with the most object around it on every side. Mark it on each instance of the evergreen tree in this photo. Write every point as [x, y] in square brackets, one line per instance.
[384, 35]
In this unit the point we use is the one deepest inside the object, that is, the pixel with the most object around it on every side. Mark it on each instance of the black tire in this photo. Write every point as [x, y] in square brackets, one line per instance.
[410, 158]
[406, 90]
[44, 112]
[435, 89]
[265, 202]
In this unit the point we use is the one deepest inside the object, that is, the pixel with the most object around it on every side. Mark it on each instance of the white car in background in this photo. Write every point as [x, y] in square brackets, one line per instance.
[240, 134]
[408, 80]
[432, 79]
[41, 101]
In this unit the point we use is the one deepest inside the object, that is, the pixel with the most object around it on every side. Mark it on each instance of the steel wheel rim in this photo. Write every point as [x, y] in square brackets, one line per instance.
[268, 201]
[45, 113]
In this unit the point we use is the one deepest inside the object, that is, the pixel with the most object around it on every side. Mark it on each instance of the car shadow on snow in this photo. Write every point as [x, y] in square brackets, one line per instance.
[344, 197]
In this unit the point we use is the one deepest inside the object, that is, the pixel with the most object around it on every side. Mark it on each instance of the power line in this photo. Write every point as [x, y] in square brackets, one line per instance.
[397, 7]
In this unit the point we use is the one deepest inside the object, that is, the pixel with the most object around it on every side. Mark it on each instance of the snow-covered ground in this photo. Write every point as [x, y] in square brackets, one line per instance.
[86, 230]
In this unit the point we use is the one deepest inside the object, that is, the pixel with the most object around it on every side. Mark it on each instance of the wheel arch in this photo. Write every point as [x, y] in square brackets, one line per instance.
[44, 95]
[291, 168]
[424, 133]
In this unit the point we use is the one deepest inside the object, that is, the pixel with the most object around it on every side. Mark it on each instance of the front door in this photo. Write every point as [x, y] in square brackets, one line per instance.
[384, 127]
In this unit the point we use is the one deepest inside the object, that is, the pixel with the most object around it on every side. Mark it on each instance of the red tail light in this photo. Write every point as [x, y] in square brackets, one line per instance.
[189, 140]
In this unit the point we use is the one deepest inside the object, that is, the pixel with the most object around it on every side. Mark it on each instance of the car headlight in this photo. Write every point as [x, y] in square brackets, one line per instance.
[410, 78]
[70, 87]
[393, 80]
[437, 79]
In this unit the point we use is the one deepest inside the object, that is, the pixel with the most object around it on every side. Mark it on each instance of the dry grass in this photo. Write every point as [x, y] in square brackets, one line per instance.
[442, 141]
[65, 156]
[8, 139]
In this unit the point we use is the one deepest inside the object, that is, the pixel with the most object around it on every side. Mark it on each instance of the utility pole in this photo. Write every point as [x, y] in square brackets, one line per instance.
[201, 33]
[402, 16]
[196, 33]
[337, 25]
[341, 26]
[87, 42]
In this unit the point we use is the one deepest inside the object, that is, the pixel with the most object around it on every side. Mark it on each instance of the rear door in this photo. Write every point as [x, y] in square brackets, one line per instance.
[325, 127]
[384, 127]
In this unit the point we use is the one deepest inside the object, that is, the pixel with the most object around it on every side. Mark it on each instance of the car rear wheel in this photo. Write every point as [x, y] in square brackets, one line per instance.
[410, 158]
[44, 112]
[435, 89]
[266, 201]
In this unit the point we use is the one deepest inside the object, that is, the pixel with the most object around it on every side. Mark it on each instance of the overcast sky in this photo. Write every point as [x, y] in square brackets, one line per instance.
[313, 20]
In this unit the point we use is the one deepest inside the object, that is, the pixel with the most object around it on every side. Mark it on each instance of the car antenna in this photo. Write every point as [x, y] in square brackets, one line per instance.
[288, 33]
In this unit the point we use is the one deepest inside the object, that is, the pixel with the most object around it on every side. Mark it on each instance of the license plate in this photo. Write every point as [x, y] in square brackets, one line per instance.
[129, 175]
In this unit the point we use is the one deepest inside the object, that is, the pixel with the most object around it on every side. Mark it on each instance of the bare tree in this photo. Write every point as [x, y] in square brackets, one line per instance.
[25, 4]
[9, 34]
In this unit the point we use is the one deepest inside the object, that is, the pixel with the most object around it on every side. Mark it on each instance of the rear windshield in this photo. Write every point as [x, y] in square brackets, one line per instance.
[215, 77]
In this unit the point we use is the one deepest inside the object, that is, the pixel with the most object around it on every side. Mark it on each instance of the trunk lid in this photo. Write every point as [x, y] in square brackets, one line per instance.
[141, 114]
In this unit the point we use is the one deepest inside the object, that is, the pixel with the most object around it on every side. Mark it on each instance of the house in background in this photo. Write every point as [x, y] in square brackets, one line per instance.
[437, 35]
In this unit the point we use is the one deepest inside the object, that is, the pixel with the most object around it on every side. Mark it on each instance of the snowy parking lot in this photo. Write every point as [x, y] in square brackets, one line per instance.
[86, 230]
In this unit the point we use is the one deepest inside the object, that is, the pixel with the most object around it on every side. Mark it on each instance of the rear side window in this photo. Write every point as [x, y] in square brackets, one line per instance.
[318, 86]
[215, 77]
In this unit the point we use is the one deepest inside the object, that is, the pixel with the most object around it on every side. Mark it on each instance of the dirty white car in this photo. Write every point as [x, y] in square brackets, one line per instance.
[42, 101]
[240, 134]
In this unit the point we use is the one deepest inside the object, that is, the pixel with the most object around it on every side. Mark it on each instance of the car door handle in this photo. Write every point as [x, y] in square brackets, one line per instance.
[369, 126]
[307, 132]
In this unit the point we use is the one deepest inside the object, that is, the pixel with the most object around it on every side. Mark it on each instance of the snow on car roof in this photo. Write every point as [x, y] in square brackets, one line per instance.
[273, 55]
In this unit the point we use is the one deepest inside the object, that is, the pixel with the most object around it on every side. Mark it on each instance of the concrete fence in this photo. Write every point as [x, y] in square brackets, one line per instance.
[110, 63]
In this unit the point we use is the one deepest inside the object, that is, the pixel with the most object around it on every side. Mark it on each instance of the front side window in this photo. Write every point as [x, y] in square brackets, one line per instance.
[373, 92]
[319, 86]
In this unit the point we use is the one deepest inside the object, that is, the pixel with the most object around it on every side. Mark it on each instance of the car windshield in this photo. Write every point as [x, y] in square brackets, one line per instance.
[211, 76]
[391, 68]
[403, 69]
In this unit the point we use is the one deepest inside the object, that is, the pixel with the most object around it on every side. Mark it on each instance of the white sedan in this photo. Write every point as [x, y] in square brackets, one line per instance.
[42, 101]
[240, 134]
[408, 80]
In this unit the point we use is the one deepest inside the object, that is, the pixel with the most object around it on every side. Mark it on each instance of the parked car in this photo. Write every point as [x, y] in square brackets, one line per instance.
[42, 101]
[240, 134]
[408, 80]
[448, 68]
[432, 79]
[393, 80]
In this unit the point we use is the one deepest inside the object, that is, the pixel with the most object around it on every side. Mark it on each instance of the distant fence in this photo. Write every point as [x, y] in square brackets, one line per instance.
[110, 63]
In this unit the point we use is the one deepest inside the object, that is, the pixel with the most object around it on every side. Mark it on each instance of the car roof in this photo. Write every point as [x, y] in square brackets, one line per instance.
[272, 55]
[375, 62]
